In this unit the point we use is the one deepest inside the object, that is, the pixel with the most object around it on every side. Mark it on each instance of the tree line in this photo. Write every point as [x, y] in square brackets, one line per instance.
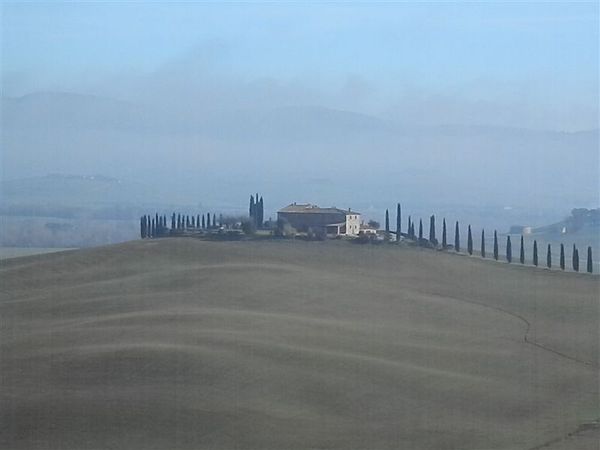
[432, 242]
[156, 226]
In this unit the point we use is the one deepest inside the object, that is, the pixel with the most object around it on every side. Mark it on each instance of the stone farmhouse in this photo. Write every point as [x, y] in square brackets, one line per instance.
[333, 221]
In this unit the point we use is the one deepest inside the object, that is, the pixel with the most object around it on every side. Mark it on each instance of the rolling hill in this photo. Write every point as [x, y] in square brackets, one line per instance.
[185, 344]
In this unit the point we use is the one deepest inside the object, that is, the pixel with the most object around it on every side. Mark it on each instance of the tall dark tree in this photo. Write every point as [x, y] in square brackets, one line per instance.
[261, 212]
[208, 221]
[398, 222]
[456, 238]
[251, 209]
[575, 259]
[444, 234]
[508, 249]
[549, 257]
[203, 222]
[483, 243]
[535, 253]
[495, 245]
[522, 252]
[432, 238]
[178, 221]
[156, 223]
[469, 240]
[562, 256]
[387, 223]
[590, 263]
[214, 221]
[142, 227]
[409, 227]
[153, 228]
[420, 229]
[193, 222]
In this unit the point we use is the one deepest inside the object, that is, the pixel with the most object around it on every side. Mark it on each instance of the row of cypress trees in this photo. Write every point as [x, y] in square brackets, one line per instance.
[156, 226]
[432, 241]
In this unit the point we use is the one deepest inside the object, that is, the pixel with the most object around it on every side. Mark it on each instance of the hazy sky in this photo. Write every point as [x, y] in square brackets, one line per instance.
[519, 64]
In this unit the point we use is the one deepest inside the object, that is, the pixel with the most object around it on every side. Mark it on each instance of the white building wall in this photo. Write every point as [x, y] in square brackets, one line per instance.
[352, 224]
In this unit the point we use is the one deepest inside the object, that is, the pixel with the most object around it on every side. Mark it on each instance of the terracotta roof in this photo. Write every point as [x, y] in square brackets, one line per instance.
[314, 209]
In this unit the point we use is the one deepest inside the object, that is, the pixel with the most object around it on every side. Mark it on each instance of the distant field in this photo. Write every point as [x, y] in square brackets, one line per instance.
[186, 344]
[15, 252]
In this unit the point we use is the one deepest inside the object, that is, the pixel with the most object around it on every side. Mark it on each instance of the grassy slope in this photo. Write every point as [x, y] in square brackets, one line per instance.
[184, 344]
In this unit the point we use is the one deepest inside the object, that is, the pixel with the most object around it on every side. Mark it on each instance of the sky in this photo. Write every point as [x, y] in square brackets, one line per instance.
[477, 105]
[530, 65]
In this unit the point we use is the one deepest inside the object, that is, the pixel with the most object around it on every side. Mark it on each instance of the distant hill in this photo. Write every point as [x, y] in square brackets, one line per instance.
[190, 153]
[581, 222]
[72, 190]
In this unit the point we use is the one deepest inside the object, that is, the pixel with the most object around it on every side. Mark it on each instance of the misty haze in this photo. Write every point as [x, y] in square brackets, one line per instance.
[284, 225]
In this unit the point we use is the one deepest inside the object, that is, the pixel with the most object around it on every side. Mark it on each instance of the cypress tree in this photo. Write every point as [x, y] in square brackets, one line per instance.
[214, 221]
[495, 245]
[469, 241]
[157, 223]
[203, 222]
[251, 209]
[444, 233]
[153, 228]
[208, 221]
[398, 222]
[456, 238]
[549, 257]
[197, 220]
[575, 259]
[432, 238]
[409, 227]
[420, 229]
[220, 220]
[387, 222]
[483, 243]
[508, 249]
[193, 222]
[562, 256]
[535, 253]
[522, 252]
[142, 230]
[590, 264]
[261, 215]
[256, 211]
[178, 221]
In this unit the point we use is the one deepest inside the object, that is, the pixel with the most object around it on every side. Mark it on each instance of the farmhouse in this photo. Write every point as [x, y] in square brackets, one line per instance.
[331, 220]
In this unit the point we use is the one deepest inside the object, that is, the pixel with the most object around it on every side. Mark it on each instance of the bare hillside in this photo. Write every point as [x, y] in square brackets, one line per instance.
[184, 344]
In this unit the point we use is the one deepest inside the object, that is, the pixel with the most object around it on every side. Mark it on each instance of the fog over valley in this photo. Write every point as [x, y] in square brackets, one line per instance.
[497, 135]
